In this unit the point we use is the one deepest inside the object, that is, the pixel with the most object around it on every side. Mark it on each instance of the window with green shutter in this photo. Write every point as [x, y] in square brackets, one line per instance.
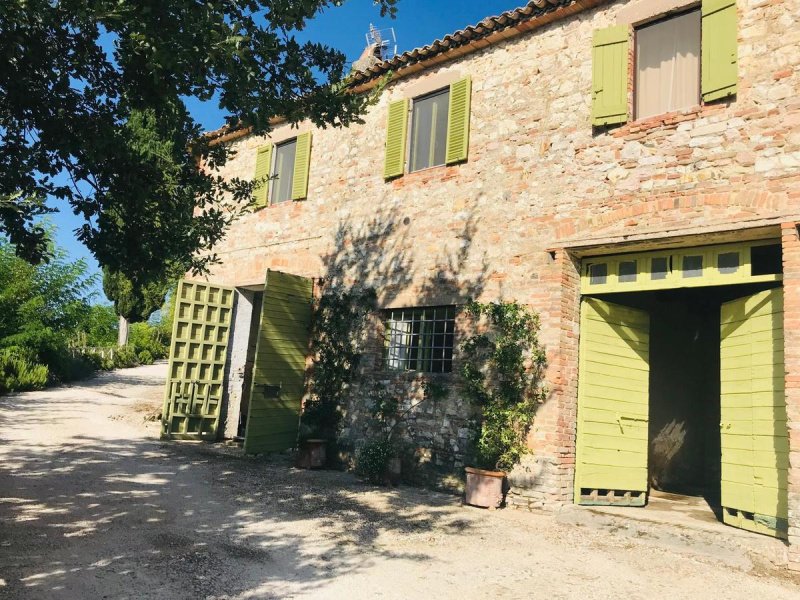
[434, 127]
[396, 133]
[262, 172]
[286, 165]
[610, 75]
[680, 60]
[720, 50]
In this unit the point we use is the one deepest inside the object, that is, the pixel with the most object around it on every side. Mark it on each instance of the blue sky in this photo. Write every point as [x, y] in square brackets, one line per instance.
[418, 22]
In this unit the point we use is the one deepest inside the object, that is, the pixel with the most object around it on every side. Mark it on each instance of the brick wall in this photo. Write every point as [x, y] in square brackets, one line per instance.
[791, 288]
[538, 178]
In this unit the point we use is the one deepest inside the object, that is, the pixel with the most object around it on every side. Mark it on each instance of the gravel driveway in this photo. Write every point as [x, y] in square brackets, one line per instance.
[93, 505]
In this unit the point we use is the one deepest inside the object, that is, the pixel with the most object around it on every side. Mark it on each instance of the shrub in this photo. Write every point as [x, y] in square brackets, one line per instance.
[18, 374]
[125, 357]
[145, 337]
[502, 370]
[145, 358]
[372, 460]
[339, 319]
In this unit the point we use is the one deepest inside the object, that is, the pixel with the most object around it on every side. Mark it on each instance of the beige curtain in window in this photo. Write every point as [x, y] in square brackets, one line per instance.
[668, 65]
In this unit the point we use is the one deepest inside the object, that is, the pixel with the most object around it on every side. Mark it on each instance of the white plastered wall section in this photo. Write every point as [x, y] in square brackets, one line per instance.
[235, 373]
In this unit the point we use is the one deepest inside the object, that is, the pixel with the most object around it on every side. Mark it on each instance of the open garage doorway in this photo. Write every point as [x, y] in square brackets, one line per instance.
[681, 383]
[683, 433]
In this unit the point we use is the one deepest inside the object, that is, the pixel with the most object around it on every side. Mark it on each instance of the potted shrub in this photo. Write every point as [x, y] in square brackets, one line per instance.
[339, 319]
[502, 369]
[312, 454]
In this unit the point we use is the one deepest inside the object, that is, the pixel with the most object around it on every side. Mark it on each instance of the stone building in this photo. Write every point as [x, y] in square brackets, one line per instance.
[630, 169]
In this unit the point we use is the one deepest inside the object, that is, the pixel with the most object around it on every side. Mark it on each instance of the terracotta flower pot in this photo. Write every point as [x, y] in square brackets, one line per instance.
[484, 488]
[312, 454]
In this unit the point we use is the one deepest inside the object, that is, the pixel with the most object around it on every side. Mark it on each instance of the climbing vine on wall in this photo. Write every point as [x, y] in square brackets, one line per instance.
[340, 317]
[503, 367]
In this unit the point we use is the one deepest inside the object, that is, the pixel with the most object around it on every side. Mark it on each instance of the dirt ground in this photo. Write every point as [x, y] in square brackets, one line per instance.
[93, 505]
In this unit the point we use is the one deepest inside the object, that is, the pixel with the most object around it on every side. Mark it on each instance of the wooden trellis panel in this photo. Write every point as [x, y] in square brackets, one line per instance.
[198, 353]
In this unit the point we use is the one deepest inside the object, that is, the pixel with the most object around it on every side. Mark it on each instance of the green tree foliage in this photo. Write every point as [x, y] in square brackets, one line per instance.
[134, 301]
[99, 327]
[40, 309]
[338, 324]
[94, 93]
[38, 303]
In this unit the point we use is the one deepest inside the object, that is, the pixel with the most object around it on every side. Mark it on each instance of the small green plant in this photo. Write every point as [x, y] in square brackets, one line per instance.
[372, 460]
[502, 369]
[18, 374]
[125, 357]
[145, 358]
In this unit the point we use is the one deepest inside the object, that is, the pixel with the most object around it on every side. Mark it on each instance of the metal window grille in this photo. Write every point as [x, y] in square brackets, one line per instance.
[420, 339]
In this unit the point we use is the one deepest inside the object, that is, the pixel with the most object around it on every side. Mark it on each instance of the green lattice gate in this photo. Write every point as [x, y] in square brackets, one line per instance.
[198, 353]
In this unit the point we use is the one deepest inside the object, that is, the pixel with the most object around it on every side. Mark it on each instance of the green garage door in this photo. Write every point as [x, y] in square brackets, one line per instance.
[199, 350]
[755, 443]
[280, 364]
[613, 405]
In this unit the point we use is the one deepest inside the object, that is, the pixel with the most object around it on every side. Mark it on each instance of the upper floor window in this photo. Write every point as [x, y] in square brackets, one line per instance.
[668, 65]
[436, 134]
[282, 171]
[680, 61]
[420, 339]
[429, 130]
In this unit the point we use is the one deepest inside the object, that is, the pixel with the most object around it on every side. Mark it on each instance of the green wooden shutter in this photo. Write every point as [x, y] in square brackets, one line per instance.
[754, 436]
[273, 416]
[458, 121]
[720, 70]
[610, 75]
[302, 162]
[263, 166]
[396, 134]
[613, 404]
[197, 358]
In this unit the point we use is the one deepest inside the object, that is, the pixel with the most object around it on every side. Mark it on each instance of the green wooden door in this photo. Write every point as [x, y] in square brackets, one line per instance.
[280, 364]
[755, 443]
[198, 352]
[613, 405]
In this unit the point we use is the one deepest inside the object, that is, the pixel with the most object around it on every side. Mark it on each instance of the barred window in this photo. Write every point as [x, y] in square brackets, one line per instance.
[420, 339]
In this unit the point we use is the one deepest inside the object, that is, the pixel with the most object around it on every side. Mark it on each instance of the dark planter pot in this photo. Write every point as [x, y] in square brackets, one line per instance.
[312, 454]
[484, 488]
[394, 470]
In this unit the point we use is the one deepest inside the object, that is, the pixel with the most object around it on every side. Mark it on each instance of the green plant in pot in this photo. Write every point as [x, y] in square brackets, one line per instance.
[339, 319]
[502, 370]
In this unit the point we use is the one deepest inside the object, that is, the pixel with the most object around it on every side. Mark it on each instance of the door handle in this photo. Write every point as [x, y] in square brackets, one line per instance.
[269, 390]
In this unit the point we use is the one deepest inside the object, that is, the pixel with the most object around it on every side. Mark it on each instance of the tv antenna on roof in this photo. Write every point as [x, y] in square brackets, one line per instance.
[383, 39]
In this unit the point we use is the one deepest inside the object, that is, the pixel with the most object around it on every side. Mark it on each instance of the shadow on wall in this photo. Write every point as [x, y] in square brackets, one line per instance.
[105, 517]
[409, 268]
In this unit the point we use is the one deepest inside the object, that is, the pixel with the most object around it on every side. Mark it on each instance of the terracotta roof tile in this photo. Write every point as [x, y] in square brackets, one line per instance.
[470, 34]
[464, 41]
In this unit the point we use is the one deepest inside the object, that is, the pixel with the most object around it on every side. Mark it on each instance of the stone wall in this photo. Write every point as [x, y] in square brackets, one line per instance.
[540, 183]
